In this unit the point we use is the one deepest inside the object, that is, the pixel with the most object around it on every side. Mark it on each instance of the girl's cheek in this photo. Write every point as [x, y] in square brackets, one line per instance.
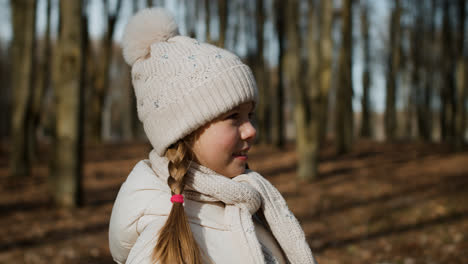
[229, 139]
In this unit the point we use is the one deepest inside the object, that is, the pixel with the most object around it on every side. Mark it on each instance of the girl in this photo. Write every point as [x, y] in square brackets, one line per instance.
[193, 200]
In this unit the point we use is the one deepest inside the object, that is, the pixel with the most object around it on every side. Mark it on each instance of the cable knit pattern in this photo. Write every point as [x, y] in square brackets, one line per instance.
[243, 196]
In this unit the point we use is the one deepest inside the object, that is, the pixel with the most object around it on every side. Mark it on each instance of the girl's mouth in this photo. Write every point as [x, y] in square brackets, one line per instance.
[242, 155]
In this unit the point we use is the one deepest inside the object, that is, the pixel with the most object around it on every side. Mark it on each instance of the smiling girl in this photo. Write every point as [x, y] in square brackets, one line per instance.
[193, 200]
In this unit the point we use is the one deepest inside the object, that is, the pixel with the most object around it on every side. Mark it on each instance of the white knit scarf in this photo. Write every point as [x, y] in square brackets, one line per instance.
[243, 196]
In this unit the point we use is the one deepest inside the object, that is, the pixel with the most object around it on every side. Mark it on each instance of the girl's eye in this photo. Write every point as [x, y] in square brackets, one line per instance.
[233, 116]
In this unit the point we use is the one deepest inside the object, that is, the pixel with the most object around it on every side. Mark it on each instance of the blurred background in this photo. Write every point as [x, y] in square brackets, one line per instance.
[361, 121]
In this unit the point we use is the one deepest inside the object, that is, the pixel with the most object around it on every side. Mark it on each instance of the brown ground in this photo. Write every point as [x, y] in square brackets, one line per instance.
[382, 203]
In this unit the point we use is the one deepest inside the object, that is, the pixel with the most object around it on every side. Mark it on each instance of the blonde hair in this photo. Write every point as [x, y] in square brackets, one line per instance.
[176, 243]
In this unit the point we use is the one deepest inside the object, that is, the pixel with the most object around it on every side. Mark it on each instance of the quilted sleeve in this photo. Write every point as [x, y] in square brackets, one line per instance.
[130, 211]
[144, 246]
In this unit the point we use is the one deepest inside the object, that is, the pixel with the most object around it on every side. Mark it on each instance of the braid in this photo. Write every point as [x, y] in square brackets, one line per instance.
[177, 167]
[176, 243]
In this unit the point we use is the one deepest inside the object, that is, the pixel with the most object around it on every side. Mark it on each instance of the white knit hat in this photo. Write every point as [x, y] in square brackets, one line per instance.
[180, 84]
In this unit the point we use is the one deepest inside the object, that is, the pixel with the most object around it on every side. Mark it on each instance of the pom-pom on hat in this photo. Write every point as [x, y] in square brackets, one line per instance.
[180, 83]
[145, 28]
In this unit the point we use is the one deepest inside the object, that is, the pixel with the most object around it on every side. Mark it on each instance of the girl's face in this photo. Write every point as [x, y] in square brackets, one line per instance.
[222, 144]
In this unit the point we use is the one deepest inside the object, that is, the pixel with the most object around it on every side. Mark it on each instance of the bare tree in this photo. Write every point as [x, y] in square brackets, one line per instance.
[24, 13]
[131, 124]
[5, 93]
[208, 21]
[460, 122]
[344, 110]
[447, 96]
[223, 17]
[422, 38]
[426, 84]
[325, 65]
[392, 73]
[41, 82]
[366, 77]
[277, 118]
[417, 91]
[308, 105]
[65, 178]
[239, 9]
[259, 67]
[101, 81]
[306, 93]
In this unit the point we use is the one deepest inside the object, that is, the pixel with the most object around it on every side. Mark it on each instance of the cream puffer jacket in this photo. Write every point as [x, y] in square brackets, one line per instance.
[141, 209]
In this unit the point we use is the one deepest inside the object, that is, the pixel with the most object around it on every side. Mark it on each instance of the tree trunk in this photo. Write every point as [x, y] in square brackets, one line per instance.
[128, 104]
[262, 107]
[392, 73]
[301, 115]
[461, 100]
[365, 122]
[344, 110]
[429, 62]
[277, 91]
[208, 21]
[422, 68]
[308, 105]
[66, 177]
[101, 84]
[447, 116]
[5, 93]
[24, 14]
[41, 83]
[223, 17]
[410, 108]
[326, 57]
[129, 113]
[85, 47]
[239, 10]
[417, 92]
[460, 118]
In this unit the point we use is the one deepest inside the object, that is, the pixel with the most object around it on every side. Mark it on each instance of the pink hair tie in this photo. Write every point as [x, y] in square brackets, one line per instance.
[177, 198]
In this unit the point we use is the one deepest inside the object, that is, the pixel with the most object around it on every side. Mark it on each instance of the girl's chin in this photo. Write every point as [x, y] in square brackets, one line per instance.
[233, 170]
[238, 171]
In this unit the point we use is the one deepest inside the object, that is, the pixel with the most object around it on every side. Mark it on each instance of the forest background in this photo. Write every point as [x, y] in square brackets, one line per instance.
[361, 121]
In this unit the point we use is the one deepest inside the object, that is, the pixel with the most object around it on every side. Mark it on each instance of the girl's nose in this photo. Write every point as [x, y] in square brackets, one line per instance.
[248, 131]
